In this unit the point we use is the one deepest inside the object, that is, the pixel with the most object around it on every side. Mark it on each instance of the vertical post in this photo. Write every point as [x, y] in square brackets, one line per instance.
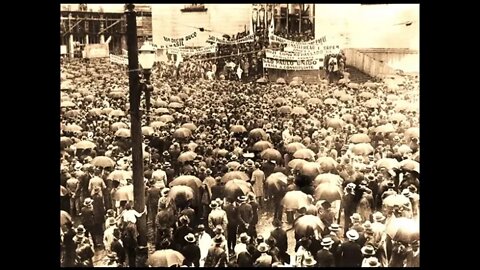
[70, 37]
[136, 129]
[300, 19]
[288, 5]
[102, 26]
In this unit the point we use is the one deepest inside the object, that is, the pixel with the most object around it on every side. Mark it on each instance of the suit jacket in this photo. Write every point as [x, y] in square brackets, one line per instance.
[216, 257]
[264, 260]
[153, 195]
[218, 191]
[217, 217]
[245, 213]
[96, 182]
[117, 247]
[325, 258]
[412, 260]
[178, 236]
[281, 237]
[255, 207]
[244, 259]
[191, 252]
[232, 214]
[351, 254]
[258, 177]
[165, 219]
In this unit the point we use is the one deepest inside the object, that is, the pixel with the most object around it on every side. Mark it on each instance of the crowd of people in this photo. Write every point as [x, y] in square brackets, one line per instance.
[337, 165]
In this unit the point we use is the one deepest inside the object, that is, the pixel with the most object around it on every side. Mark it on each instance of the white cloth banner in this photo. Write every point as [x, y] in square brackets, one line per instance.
[313, 64]
[277, 39]
[296, 55]
[179, 42]
[118, 59]
[249, 38]
[193, 51]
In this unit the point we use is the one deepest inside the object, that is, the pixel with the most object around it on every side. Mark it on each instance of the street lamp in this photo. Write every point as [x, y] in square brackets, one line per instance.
[146, 59]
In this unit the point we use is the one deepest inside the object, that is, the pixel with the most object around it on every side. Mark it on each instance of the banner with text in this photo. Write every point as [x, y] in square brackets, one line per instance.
[194, 51]
[295, 55]
[249, 38]
[179, 42]
[313, 64]
[96, 50]
[118, 59]
[277, 39]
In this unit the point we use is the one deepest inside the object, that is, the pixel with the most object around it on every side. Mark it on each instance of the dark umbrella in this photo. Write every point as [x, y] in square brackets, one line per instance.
[238, 129]
[306, 223]
[271, 154]
[85, 145]
[123, 132]
[102, 161]
[258, 134]
[328, 192]
[235, 175]
[182, 133]
[295, 146]
[187, 156]
[262, 145]
[236, 187]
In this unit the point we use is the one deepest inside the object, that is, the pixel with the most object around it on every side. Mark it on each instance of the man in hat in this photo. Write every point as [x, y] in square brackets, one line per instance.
[72, 185]
[165, 221]
[117, 247]
[96, 181]
[98, 214]
[368, 252]
[264, 260]
[252, 230]
[350, 251]
[244, 258]
[169, 171]
[217, 217]
[268, 167]
[88, 217]
[242, 245]
[83, 182]
[153, 195]
[216, 256]
[324, 257]
[280, 236]
[108, 235]
[413, 255]
[258, 181]
[232, 226]
[349, 203]
[180, 233]
[69, 245]
[245, 214]
[204, 242]
[191, 251]
[303, 251]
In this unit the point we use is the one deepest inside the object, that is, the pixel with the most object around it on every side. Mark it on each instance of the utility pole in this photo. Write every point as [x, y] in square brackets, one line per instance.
[136, 128]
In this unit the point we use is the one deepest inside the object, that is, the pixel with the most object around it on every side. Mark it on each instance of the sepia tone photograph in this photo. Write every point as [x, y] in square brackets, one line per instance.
[239, 135]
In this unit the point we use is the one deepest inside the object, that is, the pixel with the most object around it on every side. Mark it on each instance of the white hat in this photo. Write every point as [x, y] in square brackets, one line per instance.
[352, 235]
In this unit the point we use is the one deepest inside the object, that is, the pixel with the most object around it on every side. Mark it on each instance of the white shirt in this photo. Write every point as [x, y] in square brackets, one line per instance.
[108, 237]
[240, 247]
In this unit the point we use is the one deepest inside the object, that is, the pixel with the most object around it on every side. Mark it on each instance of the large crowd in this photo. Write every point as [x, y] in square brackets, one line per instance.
[336, 164]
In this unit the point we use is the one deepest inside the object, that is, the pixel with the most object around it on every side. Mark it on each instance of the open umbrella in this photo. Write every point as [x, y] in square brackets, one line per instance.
[233, 165]
[236, 187]
[67, 104]
[362, 149]
[403, 229]
[327, 164]
[280, 101]
[65, 142]
[366, 95]
[120, 176]
[175, 105]
[330, 101]
[328, 192]
[64, 218]
[123, 132]
[187, 156]
[311, 169]
[297, 78]
[85, 145]
[360, 138]
[399, 117]
[328, 178]
[190, 126]
[102, 161]
[182, 133]
[301, 94]
[314, 101]
[404, 149]
[336, 123]
[95, 112]
[166, 118]
[187, 180]
[388, 163]
[238, 129]
[308, 224]
[395, 200]
[413, 132]
[299, 111]
[165, 258]
[355, 86]
[346, 97]
[181, 194]
[157, 124]
[276, 181]
[305, 153]
[72, 113]
[258, 134]
[295, 146]
[294, 200]
[271, 154]
[124, 193]
[386, 128]
[118, 125]
[72, 128]
[262, 81]
[222, 152]
[183, 96]
[339, 93]
[370, 85]
[281, 81]
[235, 175]
[285, 109]
[162, 111]
[410, 165]
[106, 110]
[296, 164]
[371, 103]
[160, 103]
[117, 113]
[175, 99]
[262, 145]
[116, 94]
[295, 83]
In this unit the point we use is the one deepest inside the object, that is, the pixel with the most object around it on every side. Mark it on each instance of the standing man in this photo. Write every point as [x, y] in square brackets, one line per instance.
[232, 226]
[245, 214]
[350, 252]
[258, 180]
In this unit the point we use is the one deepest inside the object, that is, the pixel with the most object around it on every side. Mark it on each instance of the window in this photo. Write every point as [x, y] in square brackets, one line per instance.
[194, 8]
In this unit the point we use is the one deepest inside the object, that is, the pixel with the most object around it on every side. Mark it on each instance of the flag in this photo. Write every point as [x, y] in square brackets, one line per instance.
[271, 28]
